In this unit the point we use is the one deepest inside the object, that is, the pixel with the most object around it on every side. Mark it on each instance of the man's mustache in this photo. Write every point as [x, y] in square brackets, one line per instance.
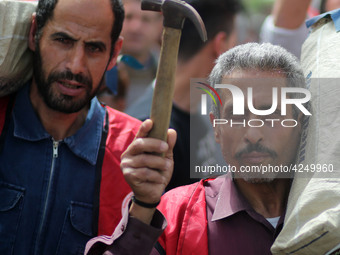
[256, 148]
[68, 75]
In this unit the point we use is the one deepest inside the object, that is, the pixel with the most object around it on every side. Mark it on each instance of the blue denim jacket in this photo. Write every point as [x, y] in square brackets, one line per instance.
[47, 186]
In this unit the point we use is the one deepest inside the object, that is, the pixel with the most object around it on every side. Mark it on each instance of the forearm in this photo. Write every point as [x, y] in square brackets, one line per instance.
[138, 238]
[143, 214]
[290, 14]
[131, 236]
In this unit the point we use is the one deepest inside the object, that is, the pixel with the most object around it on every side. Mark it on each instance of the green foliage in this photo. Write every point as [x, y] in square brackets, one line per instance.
[258, 6]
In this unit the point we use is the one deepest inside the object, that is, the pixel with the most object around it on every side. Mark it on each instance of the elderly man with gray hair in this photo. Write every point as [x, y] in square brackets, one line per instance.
[241, 212]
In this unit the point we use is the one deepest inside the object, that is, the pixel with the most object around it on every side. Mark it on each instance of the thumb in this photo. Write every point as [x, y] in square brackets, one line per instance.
[144, 129]
[172, 136]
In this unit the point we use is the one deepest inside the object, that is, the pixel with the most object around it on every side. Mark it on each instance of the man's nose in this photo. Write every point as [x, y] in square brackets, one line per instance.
[77, 62]
[253, 135]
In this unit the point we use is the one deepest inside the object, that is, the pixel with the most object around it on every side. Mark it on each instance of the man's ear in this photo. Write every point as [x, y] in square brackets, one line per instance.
[216, 130]
[32, 33]
[116, 51]
[223, 42]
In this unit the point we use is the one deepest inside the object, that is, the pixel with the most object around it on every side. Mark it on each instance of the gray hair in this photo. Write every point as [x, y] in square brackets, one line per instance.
[262, 57]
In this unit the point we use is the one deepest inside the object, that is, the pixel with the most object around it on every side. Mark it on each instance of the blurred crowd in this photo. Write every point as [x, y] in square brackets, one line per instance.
[129, 86]
[69, 161]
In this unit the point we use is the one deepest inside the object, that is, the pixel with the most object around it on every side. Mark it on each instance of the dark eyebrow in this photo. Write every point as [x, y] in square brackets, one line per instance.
[63, 35]
[99, 45]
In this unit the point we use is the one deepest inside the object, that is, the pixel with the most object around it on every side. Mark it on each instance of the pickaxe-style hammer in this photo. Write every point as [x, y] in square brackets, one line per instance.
[174, 12]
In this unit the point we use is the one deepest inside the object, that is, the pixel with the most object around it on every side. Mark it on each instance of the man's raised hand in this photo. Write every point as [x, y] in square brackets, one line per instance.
[147, 173]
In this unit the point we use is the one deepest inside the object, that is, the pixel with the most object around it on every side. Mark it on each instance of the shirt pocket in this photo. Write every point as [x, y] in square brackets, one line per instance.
[11, 205]
[77, 229]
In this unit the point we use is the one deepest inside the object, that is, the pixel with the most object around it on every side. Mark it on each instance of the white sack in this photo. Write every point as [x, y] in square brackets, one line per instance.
[312, 224]
[15, 57]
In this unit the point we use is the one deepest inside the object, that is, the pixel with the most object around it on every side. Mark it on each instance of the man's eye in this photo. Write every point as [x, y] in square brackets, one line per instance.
[128, 17]
[94, 48]
[146, 20]
[63, 40]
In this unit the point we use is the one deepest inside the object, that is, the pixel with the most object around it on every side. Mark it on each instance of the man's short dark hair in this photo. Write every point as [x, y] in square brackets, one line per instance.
[217, 15]
[45, 10]
[261, 57]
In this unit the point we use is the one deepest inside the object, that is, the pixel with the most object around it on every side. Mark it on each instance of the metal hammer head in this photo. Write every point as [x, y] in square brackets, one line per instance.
[175, 12]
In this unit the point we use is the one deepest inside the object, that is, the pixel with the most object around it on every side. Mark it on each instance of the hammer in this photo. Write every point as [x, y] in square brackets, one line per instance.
[174, 12]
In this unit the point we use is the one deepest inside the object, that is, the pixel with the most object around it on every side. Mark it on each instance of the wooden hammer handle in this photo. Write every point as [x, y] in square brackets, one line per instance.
[164, 88]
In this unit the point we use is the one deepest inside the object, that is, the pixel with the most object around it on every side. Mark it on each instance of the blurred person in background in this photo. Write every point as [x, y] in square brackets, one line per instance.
[113, 91]
[286, 24]
[195, 60]
[329, 5]
[141, 32]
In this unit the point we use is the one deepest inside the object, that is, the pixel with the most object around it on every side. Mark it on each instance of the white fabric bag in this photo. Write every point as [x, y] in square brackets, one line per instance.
[15, 57]
[312, 223]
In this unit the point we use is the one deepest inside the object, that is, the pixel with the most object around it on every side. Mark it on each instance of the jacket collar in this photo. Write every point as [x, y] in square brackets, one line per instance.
[84, 143]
